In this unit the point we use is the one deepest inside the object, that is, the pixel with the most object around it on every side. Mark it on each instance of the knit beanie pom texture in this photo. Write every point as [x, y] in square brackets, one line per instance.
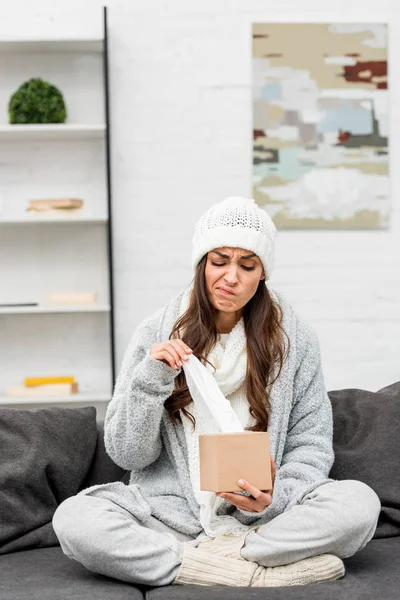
[238, 223]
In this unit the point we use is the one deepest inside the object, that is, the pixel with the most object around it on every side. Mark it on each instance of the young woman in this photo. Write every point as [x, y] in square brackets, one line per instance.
[266, 362]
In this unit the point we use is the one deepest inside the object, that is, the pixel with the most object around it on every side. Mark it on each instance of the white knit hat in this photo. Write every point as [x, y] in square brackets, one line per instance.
[239, 223]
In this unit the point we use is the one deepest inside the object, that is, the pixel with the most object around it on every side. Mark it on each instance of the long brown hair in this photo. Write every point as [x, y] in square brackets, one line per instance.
[265, 346]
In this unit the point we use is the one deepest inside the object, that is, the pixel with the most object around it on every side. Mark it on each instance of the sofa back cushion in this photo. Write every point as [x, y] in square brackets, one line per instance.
[103, 469]
[45, 455]
[366, 442]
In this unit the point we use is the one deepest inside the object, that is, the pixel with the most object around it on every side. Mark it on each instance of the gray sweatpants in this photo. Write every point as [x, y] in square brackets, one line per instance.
[336, 518]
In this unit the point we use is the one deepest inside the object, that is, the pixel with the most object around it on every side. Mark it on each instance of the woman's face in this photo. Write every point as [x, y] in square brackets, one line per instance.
[232, 277]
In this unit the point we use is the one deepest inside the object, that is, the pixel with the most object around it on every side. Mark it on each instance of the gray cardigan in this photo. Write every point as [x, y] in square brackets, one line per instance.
[140, 436]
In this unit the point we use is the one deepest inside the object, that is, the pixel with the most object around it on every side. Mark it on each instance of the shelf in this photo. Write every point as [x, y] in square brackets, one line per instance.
[45, 250]
[73, 398]
[25, 45]
[37, 219]
[44, 309]
[51, 132]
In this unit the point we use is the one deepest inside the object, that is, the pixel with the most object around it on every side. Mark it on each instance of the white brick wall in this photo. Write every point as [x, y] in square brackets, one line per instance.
[181, 127]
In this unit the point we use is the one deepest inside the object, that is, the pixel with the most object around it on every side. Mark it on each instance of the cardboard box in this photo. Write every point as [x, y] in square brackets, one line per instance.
[227, 457]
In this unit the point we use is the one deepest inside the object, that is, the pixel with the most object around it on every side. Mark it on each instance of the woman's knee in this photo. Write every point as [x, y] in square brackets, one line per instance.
[360, 509]
[364, 502]
[70, 520]
[352, 498]
[355, 507]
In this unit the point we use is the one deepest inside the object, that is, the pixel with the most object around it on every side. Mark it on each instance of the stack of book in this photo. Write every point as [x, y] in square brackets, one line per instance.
[55, 205]
[71, 298]
[44, 386]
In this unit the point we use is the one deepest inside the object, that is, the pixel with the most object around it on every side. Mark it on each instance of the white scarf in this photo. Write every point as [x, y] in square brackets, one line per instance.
[230, 362]
[230, 371]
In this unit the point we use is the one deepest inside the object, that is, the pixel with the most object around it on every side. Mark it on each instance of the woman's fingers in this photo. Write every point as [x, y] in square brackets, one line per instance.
[255, 492]
[246, 503]
[181, 348]
[256, 503]
[171, 357]
[173, 352]
[166, 353]
[181, 351]
[183, 345]
[241, 502]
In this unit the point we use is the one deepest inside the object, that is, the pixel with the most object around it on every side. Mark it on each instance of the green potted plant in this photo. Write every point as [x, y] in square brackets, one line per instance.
[37, 101]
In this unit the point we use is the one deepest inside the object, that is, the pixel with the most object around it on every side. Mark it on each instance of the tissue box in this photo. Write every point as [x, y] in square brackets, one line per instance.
[227, 457]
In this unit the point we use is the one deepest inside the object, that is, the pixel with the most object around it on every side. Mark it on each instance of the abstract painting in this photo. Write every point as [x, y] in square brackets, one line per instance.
[320, 124]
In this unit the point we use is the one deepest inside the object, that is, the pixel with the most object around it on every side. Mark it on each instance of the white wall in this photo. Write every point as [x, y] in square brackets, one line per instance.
[181, 140]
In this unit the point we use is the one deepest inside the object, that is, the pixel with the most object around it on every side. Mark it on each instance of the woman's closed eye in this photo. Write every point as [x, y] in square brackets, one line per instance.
[214, 264]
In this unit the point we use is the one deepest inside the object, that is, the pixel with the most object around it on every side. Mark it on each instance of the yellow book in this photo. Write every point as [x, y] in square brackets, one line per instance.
[33, 381]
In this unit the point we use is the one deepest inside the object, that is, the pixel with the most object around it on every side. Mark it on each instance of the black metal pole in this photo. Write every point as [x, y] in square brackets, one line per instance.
[109, 194]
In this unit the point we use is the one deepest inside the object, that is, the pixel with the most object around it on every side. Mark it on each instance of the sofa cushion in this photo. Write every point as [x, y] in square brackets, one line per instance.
[103, 469]
[47, 574]
[44, 457]
[370, 574]
[367, 446]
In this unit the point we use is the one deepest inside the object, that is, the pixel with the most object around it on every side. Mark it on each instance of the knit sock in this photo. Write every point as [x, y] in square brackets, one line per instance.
[202, 568]
[325, 567]
[224, 545]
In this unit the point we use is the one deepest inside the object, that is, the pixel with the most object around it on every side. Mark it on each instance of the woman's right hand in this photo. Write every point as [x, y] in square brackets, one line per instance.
[172, 353]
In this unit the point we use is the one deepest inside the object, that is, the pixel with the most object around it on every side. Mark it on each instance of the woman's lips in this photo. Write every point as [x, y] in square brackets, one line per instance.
[225, 292]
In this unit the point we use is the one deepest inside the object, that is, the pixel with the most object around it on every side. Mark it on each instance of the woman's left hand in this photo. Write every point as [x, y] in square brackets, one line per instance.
[259, 499]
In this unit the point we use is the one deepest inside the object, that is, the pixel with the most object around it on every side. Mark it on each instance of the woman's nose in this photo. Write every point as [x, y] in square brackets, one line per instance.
[230, 275]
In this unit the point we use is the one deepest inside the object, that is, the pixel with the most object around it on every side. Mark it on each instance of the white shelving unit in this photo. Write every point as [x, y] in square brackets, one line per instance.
[74, 399]
[43, 309]
[36, 45]
[60, 132]
[34, 219]
[40, 253]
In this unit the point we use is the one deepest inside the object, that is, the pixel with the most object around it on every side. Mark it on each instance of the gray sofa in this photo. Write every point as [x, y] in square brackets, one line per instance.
[49, 454]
